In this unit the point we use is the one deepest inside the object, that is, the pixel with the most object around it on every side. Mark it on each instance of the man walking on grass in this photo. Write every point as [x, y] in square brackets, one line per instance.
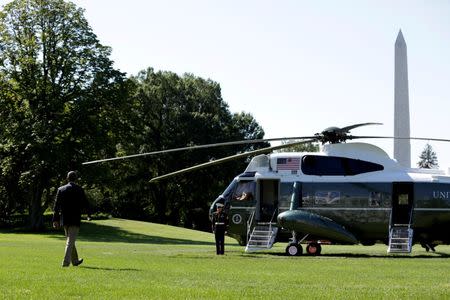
[69, 203]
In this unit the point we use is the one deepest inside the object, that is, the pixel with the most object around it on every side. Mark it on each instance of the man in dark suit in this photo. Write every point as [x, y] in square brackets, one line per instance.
[69, 203]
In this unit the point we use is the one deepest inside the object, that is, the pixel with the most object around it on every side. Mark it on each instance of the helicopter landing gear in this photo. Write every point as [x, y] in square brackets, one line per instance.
[294, 249]
[314, 249]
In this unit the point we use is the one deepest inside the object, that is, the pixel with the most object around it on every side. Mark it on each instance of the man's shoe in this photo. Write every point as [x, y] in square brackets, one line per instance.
[79, 262]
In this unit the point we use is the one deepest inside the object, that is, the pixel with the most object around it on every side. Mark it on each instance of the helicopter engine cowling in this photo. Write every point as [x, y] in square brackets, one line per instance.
[315, 225]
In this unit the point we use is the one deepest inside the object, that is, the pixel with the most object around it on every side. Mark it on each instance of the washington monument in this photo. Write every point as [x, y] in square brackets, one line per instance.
[402, 147]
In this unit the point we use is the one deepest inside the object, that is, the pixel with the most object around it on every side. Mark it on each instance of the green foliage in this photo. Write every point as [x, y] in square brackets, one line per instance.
[428, 158]
[63, 103]
[59, 95]
[136, 260]
[307, 147]
[171, 111]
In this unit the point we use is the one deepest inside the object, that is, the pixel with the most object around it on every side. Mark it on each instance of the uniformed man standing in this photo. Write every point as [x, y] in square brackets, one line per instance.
[219, 225]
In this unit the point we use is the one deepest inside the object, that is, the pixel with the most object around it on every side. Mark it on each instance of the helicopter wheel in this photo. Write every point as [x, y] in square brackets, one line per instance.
[294, 249]
[314, 249]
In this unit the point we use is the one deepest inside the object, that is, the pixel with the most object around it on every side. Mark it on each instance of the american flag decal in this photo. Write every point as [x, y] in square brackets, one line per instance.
[292, 163]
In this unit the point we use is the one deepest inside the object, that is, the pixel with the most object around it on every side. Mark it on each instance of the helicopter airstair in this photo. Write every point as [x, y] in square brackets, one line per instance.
[400, 231]
[400, 239]
[262, 237]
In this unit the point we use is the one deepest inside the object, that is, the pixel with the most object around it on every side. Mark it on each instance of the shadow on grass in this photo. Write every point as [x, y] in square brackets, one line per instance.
[94, 232]
[365, 255]
[109, 269]
[395, 256]
[100, 233]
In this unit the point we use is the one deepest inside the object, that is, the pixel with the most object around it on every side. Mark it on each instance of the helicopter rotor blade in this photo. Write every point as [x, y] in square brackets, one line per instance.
[195, 147]
[348, 128]
[230, 158]
[352, 137]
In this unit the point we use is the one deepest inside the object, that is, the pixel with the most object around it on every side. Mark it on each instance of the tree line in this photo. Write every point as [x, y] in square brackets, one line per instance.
[62, 103]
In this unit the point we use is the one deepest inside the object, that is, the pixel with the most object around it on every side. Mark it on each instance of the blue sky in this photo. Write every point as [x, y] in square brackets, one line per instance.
[297, 66]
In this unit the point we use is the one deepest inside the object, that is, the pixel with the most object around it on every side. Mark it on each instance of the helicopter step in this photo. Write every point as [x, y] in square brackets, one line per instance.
[262, 237]
[400, 239]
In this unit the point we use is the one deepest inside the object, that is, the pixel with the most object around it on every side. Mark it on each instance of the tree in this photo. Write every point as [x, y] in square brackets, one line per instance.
[428, 158]
[62, 103]
[60, 95]
[307, 147]
[171, 111]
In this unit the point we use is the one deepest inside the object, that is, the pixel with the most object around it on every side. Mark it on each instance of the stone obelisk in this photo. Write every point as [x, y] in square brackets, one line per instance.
[402, 147]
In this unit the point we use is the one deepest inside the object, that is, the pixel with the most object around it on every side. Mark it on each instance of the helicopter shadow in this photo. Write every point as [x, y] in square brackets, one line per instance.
[109, 269]
[94, 232]
[433, 255]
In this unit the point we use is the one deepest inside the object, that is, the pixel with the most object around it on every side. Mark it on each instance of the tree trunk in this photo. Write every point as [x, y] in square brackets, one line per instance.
[160, 203]
[36, 210]
[36, 215]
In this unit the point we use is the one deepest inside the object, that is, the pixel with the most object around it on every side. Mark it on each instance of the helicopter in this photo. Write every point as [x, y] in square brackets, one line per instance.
[348, 193]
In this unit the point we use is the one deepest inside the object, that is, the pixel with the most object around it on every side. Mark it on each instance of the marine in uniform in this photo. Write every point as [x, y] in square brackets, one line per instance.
[219, 225]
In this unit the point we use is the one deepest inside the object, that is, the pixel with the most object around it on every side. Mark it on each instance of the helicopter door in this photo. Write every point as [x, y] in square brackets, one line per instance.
[267, 206]
[402, 203]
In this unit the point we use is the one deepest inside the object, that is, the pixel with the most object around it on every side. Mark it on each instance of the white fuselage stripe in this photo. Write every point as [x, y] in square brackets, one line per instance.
[432, 209]
[351, 208]
[346, 208]
[371, 208]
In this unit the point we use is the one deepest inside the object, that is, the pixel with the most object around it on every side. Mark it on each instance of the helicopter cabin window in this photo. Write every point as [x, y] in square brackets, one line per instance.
[403, 199]
[336, 166]
[327, 197]
[245, 191]
[375, 199]
[286, 191]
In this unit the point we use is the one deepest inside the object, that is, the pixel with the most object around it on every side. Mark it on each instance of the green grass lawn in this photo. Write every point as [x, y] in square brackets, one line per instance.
[128, 259]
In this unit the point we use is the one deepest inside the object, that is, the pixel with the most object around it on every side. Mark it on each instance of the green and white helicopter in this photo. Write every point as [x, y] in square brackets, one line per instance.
[348, 193]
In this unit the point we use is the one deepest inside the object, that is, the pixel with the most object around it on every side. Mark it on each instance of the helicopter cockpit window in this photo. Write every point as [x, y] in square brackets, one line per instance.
[336, 166]
[245, 191]
[229, 190]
